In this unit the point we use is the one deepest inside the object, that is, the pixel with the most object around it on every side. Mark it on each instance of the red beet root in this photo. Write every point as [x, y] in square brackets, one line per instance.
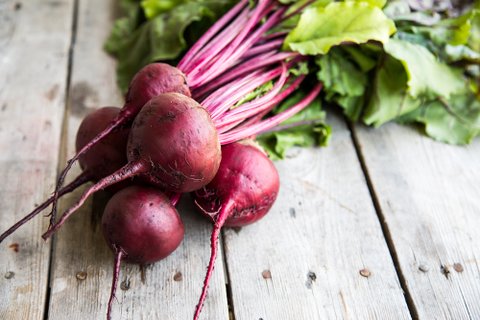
[173, 143]
[185, 153]
[243, 190]
[141, 226]
[150, 81]
[103, 159]
[142, 223]
[109, 154]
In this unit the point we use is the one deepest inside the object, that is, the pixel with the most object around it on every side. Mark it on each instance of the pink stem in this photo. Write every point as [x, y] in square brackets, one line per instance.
[257, 118]
[274, 35]
[206, 55]
[231, 51]
[222, 93]
[245, 67]
[244, 132]
[218, 224]
[129, 170]
[238, 115]
[261, 101]
[262, 48]
[119, 253]
[220, 81]
[80, 180]
[123, 117]
[175, 198]
[186, 60]
[226, 105]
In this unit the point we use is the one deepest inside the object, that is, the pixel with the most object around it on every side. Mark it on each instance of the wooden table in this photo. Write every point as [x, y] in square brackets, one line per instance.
[382, 224]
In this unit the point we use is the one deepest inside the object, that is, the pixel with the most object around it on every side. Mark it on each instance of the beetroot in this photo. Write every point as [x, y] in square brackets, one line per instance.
[109, 154]
[243, 190]
[103, 159]
[141, 226]
[185, 154]
[150, 81]
[173, 143]
[142, 222]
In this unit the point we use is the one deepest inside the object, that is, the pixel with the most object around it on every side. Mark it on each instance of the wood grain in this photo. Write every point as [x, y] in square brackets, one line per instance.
[82, 268]
[429, 195]
[320, 252]
[34, 42]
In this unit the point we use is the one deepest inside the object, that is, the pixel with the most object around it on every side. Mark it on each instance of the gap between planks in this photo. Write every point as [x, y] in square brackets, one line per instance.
[231, 307]
[381, 218]
[63, 144]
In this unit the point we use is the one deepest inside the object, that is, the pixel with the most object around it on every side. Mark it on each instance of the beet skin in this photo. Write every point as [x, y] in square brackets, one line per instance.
[143, 224]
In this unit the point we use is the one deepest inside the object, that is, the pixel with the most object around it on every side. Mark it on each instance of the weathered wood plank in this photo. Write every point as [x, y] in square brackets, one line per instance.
[429, 194]
[303, 260]
[171, 286]
[34, 42]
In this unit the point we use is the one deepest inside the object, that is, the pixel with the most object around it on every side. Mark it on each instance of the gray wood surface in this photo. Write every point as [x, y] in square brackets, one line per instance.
[323, 252]
[33, 69]
[82, 265]
[429, 194]
[303, 260]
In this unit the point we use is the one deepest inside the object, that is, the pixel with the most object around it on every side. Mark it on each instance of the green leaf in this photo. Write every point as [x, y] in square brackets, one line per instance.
[276, 144]
[455, 121]
[396, 8]
[474, 39]
[352, 106]
[340, 75]
[461, 53]
[129, 5]
[153, 8]
[305, 129]
[300, 68]
[313, 112]
[400, 11]
[454, 31]
[389, 98]
[361, 58]
[343, 82]
[321, 28]
[163, 37]
[426, 75]
[376, 3]
[259, 91]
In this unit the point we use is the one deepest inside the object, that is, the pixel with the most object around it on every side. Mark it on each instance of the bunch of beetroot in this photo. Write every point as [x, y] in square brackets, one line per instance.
[183, 130]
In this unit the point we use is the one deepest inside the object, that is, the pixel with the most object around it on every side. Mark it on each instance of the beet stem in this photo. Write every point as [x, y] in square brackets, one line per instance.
[251, 108]
[229, 55]
[254, 129]
[238, 115]
[121, 118]
[224, 92]
[129, 170]
[175, 198]
[274, 35]
[243, 68]
[210, 53]
[80, 180]
[223, 106]
[262, 48]
[218, 224]
[119, 253]
[186, 61]
[219, 103]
